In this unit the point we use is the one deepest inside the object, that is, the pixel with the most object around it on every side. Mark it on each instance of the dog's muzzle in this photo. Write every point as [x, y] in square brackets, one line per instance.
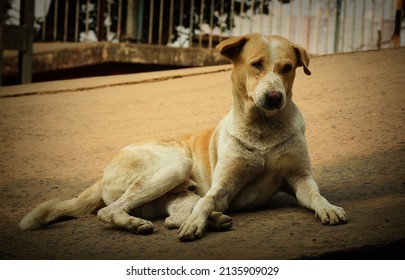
[271, 100]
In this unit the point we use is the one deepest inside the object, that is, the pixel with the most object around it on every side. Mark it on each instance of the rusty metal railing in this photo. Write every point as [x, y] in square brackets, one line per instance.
[320, 26]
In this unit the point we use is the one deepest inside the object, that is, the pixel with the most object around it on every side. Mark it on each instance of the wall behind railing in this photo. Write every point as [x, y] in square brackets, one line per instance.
[322, 27]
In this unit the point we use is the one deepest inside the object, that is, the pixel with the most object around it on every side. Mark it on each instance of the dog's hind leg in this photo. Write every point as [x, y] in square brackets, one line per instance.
[179, 207]
[143, 175]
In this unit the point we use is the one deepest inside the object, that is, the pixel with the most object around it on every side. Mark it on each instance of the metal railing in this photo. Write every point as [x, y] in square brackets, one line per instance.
[320, 26]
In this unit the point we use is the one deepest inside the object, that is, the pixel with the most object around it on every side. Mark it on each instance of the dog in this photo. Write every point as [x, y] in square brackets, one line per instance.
[258, 149]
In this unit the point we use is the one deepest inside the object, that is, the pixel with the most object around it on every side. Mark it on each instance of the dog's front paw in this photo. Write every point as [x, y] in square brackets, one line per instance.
[192, 229]
[331, 215]
[219, 222]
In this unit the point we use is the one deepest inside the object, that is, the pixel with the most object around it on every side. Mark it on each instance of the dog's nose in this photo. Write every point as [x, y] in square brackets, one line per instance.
[273, 100]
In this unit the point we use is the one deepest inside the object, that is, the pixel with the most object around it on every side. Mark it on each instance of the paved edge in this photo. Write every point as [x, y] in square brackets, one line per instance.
[82, 84]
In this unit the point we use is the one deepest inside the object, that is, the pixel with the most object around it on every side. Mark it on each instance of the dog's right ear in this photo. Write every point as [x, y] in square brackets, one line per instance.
[230, 48]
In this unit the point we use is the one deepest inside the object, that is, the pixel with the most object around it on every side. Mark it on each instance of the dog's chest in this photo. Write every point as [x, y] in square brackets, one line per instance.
[282, 155]
[258, 191]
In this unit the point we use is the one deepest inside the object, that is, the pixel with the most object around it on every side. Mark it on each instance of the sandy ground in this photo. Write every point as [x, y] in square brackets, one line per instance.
[54, 145]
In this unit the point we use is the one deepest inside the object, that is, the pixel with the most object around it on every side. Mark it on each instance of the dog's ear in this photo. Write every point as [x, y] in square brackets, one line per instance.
[230, 48]
[302, 57]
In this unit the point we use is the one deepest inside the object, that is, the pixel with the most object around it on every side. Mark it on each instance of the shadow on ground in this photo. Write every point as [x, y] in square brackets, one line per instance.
[371, 189]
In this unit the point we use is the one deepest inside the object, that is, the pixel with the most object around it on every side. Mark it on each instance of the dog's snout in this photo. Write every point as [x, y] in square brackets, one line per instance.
[273, 100]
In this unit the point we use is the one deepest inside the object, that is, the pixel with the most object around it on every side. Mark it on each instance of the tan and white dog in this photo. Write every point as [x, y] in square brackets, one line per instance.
[258, 149]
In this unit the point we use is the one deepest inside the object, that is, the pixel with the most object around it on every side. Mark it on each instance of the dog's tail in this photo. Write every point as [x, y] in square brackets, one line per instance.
[50, 211]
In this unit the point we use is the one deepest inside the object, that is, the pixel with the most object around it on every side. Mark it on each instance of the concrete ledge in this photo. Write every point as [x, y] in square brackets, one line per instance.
[57, 56]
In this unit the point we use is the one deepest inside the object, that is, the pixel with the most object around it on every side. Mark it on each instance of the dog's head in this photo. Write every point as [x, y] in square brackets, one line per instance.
[264, 68]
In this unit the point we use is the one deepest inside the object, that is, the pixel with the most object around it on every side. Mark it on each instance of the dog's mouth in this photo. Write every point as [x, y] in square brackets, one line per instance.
[271, 107]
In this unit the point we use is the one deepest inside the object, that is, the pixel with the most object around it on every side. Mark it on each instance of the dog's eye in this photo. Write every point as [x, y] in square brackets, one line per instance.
[286, 68]
[258, 65]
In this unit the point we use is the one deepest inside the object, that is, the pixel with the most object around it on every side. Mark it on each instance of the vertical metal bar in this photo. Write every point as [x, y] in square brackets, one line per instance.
[298, 26]
[190, 45]
[327, 28]
[344, 25]
[25, 57]
[44, 21]
[77, 21]
[151, 8]
[242, 16]
[294, 23]
[363, 18]
[372, 42]
[391, 15]
[396, 38]
[200, 24]
[55, 20]
[271, 12]
[181, 12]
[181, 21]
[280, 24]
[1, 57]
[231, 22]
[317, 24]
[353, 25]
[309, 26]
[252, 12]
[170, 22]
[160, 22]
[2, 23]
[261, 16]
[130, 21]
[98, 11]
[337, 25]
[87, 19]
[65, 27]
[221, 15]
[109, 21]
[98, 31]
[382, 14]
[119, 20]
[101, 10]
[289, 21]
[211, 24]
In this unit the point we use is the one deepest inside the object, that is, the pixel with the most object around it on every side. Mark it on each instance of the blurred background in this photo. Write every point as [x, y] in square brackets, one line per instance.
[322, 27]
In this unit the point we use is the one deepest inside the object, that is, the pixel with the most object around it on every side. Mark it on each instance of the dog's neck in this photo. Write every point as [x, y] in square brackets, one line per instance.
[254, 126]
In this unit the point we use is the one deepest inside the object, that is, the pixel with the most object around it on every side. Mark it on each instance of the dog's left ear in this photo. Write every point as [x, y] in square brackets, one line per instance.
[303, 58]
[230, 48]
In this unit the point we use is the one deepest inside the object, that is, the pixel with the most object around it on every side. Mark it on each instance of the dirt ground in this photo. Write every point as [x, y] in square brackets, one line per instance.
[56, 140]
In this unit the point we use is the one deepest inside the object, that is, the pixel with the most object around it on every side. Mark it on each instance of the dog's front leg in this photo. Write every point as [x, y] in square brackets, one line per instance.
[217, 199]
[195, 226]
[229, 177]
[308, 195]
